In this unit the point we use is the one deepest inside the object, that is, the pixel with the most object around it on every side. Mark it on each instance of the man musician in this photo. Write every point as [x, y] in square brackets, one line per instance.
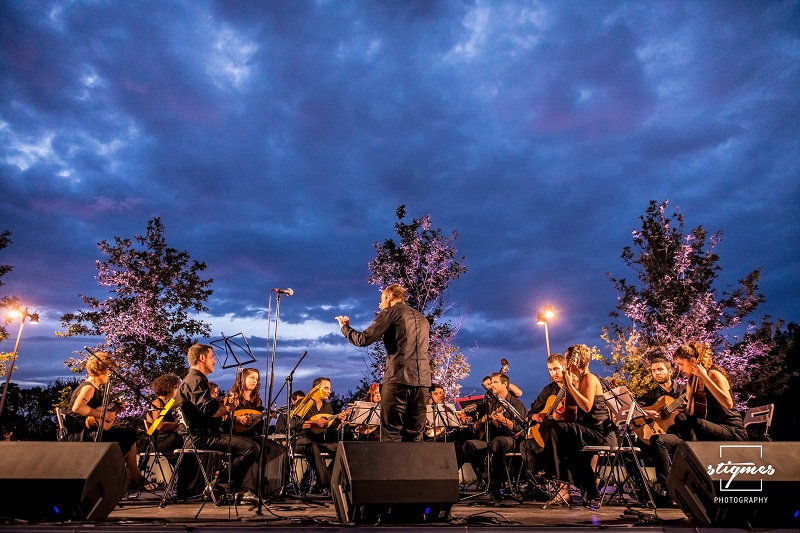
[549, 403]
[316, 430]
[203, 416]
[502, 436]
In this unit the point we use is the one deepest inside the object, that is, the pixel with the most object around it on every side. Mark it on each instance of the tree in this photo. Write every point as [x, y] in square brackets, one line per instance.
[146, 322]
[424, 263]
[673, 300]
[5, 302]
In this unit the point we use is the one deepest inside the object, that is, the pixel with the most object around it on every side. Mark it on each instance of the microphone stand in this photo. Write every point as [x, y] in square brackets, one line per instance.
[486, 425]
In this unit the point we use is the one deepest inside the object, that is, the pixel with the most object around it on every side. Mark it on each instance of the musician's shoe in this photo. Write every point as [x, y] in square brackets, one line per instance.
[247, 498]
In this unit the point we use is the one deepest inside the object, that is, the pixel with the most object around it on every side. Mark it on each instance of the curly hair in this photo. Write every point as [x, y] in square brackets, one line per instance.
[165, 384]
[99, 363]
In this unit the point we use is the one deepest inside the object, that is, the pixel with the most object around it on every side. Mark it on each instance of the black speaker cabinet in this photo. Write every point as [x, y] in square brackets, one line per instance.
[741, 484]
[58, 481]
[394, 482]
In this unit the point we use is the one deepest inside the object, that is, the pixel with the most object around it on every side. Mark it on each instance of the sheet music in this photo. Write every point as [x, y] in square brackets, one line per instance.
[619, 401]
[443, 415]
[365, 413]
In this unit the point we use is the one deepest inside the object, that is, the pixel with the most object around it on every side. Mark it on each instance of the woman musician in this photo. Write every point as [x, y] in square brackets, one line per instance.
[86, 410]
[710, 412]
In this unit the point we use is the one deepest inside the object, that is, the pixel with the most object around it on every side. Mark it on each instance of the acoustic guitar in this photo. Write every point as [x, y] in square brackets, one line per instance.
[553, 402]
[666, 408]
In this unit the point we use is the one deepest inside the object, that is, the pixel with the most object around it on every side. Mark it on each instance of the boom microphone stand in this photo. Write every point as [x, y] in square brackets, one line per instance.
[271, 381]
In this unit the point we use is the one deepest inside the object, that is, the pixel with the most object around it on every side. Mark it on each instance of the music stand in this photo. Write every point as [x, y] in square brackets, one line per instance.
[365, 414]
[442, 416]
[241, 355]
[625, 408]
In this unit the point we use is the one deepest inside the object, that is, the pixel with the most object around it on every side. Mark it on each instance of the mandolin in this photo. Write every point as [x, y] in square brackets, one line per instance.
[91, 421]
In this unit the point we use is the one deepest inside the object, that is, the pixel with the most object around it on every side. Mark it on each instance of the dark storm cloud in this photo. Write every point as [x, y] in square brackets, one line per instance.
[275, 140]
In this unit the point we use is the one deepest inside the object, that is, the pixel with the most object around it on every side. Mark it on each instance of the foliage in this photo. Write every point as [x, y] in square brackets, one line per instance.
[673, 300]
[5, 302]
[424, 263]
[146, 322]
[30, 413]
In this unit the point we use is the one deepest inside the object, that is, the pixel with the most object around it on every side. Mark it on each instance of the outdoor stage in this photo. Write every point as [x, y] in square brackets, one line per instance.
[144, 514]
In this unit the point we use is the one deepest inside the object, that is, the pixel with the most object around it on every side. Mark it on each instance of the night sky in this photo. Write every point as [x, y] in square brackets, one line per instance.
[276, 140]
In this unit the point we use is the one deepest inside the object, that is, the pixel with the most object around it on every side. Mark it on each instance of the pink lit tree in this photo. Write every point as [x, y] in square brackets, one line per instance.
[147, 321]
[424, 262]
[673, 299]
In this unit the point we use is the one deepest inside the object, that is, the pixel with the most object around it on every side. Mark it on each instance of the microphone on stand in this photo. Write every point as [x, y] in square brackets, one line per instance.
[287, 292]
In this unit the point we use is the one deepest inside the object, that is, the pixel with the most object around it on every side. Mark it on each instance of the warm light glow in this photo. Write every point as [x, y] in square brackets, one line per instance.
[15, 312]
[545, 314]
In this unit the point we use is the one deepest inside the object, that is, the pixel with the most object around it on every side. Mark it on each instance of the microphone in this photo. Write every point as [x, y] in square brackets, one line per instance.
[287, 292]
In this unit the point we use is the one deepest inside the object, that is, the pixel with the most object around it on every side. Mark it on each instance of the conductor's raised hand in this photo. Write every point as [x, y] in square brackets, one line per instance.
[343, 320]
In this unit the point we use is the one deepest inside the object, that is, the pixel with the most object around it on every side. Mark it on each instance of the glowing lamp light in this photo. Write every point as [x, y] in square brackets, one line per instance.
[33, 318]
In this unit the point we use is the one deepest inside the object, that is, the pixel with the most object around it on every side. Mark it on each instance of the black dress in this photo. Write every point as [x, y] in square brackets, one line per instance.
[76, 424]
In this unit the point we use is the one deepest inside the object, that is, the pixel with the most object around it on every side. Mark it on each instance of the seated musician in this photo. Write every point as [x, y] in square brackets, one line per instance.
[316, 432]
[590, 425]
[666, 392]
[544, 407]
[86, 410]
[710, 412]
[502, 436]
[280, 422]
[203, 416]
[247, 417]
[457, 436]
[166, 437]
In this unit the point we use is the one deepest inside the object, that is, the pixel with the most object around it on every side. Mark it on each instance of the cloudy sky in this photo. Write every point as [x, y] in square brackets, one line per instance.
[276, 139]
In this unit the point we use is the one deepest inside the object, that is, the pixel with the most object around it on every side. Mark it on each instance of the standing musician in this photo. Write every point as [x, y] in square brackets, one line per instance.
[710, 412]
[86, 408]
[316, 431]
[203, 414]
[586, 422]
[549, 404]
[503, 429]
[405, 333]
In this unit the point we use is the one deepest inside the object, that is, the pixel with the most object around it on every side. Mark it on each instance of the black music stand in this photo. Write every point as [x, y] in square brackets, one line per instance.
[240, 355]
[365, 414]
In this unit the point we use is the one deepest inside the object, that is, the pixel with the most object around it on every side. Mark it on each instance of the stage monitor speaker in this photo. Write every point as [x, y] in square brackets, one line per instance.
[394, 482]
[58, 481]
[741, 484]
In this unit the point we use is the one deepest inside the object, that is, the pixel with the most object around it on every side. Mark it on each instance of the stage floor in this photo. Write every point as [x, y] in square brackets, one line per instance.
[479, 513]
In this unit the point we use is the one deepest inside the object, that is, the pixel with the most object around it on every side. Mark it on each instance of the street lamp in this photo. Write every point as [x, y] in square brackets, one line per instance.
[542, 319]
[34, 319]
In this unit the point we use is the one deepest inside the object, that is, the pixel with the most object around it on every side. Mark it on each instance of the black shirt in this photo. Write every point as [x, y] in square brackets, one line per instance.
[194, 399]
[551, 389]
[501, 430]
[651, 397]
[405, 333]
[316, 433]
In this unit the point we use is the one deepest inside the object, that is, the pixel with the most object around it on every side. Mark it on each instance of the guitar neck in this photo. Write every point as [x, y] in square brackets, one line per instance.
[560, 396]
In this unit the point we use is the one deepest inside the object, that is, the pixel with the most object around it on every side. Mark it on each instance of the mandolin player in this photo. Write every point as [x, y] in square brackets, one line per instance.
[316, 431]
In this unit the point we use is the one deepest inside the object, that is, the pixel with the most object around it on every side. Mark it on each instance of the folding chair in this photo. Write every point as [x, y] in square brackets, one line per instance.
[61, 430]
[760, 415]
[190, 447]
